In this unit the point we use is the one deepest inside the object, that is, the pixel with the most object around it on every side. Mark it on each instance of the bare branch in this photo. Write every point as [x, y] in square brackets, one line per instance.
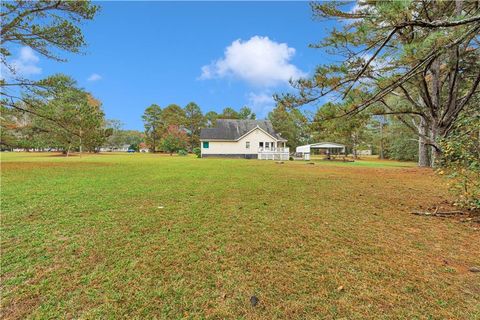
[438, 23]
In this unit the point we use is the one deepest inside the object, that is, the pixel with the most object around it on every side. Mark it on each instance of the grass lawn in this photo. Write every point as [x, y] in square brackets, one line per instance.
[153, 236]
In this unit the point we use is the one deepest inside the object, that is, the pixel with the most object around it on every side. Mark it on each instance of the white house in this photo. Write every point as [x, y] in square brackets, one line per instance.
[122, 148]
[249, 139]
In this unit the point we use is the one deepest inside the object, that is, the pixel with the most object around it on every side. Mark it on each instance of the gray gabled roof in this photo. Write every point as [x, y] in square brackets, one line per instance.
[229, 129]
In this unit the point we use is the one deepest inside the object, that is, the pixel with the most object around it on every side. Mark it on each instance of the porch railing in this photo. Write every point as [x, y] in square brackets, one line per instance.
[273, 153]
[273, 149]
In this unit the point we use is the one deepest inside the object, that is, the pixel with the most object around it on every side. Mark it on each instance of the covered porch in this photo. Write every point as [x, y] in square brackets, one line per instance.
[273, 151]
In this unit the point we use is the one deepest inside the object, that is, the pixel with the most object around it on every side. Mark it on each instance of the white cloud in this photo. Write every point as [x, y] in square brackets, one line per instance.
[94, 77]
[356, 8]
[361, 5]
[27, 55]
[26, 63]
[259, 61]
[380, 61]
[261, 103]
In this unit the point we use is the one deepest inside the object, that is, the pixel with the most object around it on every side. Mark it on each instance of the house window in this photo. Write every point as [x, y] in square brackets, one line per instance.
[260, 144]
[205, 144]
[247, 144]
[267, 145]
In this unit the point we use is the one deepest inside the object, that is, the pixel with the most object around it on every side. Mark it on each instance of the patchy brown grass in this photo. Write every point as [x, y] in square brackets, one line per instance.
[310, 241]
[7, 166]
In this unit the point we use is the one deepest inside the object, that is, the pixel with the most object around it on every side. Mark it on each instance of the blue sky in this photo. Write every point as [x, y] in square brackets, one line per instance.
[217, 54]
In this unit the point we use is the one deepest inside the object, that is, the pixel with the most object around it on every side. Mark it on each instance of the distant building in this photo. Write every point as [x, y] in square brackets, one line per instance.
[122, 148]
[367, 152]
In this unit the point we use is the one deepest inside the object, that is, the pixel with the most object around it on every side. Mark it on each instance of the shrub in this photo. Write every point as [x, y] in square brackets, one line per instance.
[197, 151]
[182, 152]
[134, 147]
[460, 162]
[290, 158]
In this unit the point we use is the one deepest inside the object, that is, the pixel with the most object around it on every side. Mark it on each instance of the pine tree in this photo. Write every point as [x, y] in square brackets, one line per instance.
[422, 53]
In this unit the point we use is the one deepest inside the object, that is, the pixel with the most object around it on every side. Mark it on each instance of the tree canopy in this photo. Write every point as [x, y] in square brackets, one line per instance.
[291, 124]
[349, 131]
[62, 116]
[174, 139]
[416, 60]
[48, 28]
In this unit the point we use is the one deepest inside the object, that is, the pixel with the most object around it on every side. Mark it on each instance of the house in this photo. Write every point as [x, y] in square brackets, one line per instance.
[249, 139]
[122, 148]
[365, 152]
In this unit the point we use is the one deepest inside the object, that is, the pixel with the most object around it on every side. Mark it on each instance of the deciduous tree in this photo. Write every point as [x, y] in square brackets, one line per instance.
[461, 159]
[174, 140]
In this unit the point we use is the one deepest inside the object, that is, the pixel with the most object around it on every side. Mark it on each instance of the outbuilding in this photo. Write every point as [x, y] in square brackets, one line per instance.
[327, 148]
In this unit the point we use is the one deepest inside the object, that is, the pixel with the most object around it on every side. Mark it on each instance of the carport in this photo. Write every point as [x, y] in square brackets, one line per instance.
[329, 148]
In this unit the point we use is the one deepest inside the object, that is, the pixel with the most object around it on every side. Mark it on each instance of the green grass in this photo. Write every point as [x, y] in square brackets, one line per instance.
[85, 237]
[365, 161]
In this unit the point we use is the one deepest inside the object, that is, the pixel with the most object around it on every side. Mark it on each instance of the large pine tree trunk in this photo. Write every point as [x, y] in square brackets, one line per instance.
[423, 159]
[434, 155]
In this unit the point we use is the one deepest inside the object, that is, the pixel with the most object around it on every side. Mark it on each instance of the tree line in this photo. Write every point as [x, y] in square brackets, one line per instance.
[174, 128]
[384, 136]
